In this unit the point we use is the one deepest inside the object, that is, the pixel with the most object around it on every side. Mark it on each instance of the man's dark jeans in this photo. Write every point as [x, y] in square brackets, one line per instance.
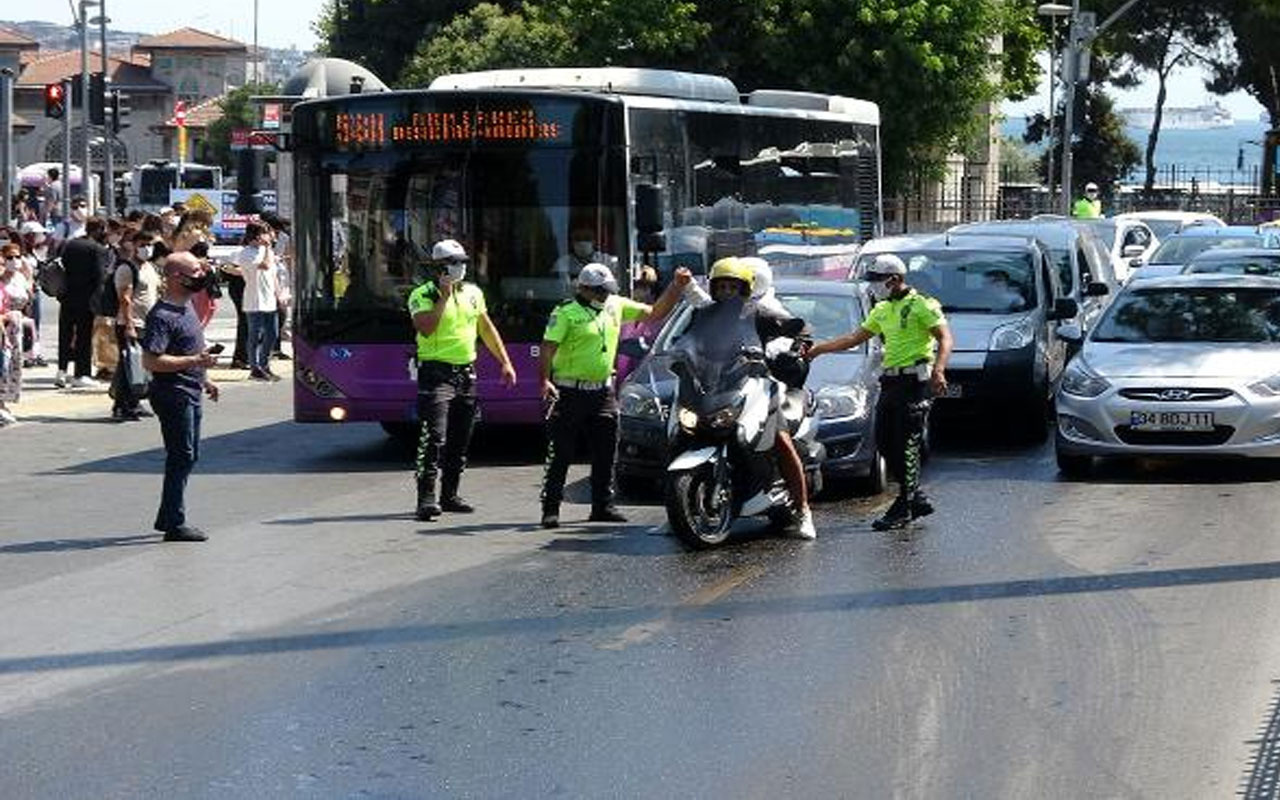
[179, 416]
[447, 409]
[75, 338]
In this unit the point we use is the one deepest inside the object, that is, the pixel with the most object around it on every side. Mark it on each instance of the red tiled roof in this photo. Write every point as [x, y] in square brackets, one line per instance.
[202, 114]
[188, 39]
[10, 39]
[61, 66]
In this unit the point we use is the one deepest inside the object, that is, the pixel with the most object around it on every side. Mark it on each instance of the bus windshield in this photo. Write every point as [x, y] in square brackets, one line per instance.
[517, 209]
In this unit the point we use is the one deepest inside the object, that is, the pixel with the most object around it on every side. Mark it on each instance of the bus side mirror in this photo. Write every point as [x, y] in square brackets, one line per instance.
[649, 217]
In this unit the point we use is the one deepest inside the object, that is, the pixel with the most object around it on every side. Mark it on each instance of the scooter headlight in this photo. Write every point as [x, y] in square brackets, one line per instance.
[688, 418]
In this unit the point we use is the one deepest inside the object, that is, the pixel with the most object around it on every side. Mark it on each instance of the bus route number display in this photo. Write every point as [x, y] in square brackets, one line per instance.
[444, 127]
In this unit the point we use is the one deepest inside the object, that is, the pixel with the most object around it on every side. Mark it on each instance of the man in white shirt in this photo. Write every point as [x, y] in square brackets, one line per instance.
[256, 262]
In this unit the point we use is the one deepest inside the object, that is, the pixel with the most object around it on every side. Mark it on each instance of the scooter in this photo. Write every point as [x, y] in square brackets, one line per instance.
[722, 426]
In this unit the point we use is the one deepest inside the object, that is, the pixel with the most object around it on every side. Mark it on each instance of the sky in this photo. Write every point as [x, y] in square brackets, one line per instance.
[281, 23]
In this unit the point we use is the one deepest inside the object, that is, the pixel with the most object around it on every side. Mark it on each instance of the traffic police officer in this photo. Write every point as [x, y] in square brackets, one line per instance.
[447, 315]
[578, 352]
[917, 346]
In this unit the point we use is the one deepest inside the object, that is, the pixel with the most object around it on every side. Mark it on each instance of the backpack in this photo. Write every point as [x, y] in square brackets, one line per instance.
[51, 276]
[105, 302]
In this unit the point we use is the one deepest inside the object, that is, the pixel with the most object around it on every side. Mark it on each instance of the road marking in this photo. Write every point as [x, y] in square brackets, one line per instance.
[644, 631]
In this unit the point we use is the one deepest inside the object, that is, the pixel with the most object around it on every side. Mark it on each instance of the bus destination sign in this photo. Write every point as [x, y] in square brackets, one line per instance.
[515, 125]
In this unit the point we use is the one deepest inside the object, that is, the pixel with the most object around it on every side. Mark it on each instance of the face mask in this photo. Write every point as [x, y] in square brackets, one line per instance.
[584, 249]
[879, 290]
[144, 253]
[199, 284]
[79, 214]
[455, 272]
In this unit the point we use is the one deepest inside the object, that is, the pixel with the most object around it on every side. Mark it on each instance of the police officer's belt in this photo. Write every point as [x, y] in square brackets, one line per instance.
[444, 366]
[583, 385]
[920, 370]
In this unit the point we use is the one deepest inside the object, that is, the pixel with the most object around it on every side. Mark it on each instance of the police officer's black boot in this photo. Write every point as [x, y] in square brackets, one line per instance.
[428, 509]
[449, 499]
[920, 505]
[550, 517]
[897, 516]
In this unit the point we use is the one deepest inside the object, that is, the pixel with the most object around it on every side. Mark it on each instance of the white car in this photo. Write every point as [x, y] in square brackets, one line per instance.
[1127, 240]
[1180, 366]
[1166, 223]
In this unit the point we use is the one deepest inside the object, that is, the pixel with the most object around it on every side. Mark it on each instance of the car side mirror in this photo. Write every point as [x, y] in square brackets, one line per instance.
[1132, 250]
[1097, 289]
[633, 348]
[1065, 308]
[1070, 332]
[1136, 263]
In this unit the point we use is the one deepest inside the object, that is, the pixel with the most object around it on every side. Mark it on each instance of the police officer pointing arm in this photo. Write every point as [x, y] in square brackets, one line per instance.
[917, 346]
[448, 313]
[578, 353]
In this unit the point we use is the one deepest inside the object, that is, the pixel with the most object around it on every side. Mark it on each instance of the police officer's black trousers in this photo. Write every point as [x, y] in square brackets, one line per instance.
[447, 411]
[900, 419]
[593, 412]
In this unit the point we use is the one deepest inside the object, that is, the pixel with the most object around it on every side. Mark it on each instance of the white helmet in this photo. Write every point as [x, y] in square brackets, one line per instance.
[763, 283]
[597, 276]
[448, 250]
[887, 264]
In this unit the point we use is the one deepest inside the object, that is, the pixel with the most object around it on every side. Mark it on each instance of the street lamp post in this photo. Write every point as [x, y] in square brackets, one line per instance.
[108, 174]
[86, 171]
[1054, 11]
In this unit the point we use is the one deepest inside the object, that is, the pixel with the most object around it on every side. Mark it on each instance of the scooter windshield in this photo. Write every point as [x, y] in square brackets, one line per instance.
[719, 350]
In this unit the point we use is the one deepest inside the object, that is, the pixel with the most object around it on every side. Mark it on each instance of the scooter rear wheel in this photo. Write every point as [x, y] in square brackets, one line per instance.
[700, 510]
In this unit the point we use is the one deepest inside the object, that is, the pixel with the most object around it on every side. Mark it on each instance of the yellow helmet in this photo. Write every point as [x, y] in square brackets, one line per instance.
[732, 267]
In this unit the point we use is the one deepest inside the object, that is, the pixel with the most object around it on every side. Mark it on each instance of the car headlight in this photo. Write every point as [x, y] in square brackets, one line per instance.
[1267, 388]
[637, 401]
[841, 401]
[688, 419]
[1080, 381]
[1014, 336]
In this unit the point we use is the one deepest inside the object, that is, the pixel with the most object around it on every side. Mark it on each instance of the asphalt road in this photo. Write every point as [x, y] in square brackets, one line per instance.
[1035, 638]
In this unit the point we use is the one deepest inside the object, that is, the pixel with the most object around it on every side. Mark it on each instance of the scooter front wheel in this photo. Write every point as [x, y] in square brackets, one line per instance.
[699, 508]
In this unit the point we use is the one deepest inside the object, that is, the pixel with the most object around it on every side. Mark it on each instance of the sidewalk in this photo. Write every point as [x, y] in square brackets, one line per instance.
[43, 402]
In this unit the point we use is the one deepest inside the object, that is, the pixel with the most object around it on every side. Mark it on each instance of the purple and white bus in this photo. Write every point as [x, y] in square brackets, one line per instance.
[513, 164]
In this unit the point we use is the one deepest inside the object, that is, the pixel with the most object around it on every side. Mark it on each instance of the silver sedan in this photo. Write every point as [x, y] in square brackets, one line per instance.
[1179, 366]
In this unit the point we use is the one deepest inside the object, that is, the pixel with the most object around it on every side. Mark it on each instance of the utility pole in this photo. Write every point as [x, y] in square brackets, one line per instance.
[108, 175]
[1070, 74]
[6, 141]
[86, 169]
[65, 211]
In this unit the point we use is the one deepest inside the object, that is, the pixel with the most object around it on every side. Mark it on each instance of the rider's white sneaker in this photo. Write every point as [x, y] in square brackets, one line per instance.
[803, 527]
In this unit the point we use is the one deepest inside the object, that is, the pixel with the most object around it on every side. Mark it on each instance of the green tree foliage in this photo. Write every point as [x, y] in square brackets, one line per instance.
[1159, 37]
[1102, 152]
[237, 112]
[1256, 65]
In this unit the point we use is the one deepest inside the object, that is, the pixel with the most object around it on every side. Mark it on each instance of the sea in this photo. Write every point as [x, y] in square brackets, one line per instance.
[1211, 152]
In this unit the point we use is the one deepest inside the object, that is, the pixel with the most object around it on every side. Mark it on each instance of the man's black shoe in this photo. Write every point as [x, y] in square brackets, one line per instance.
[606, 514]
[550, 519]
[457, 505]
[920, 506]
[426, 512]
[898, 515]
[185, 533]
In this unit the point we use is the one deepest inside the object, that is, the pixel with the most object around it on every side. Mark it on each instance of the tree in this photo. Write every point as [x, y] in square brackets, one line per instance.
[1159, 37]
[1256, 26]
[237, 112]
[1102, 152]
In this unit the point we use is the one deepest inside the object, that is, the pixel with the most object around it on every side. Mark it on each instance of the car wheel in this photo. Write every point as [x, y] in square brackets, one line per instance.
[876, 480]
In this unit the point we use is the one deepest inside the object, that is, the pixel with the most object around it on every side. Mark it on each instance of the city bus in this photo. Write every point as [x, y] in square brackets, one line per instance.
[516, 165]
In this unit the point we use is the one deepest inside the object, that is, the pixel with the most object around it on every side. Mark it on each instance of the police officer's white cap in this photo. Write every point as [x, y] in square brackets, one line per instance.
[1091, 187]
[448, 250]
[887, 264]
[597, 276]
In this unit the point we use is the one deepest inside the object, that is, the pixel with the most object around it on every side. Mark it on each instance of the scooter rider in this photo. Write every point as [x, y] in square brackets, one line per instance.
[577, 361]
[448, 313]
[732, 282]
[917, 346]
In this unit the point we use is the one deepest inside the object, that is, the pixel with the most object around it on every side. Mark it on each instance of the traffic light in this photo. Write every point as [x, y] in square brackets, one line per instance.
[118, 110]
[97, 99]
[55, 101]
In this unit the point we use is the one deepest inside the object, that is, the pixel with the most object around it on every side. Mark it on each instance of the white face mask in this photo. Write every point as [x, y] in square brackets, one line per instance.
[879, 290]
[11, 263]
[144, 253]
[584, 249]
[80, 214]
[455, 271]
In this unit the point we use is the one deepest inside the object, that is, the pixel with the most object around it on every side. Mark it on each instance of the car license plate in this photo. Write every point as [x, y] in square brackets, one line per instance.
[1171, 420]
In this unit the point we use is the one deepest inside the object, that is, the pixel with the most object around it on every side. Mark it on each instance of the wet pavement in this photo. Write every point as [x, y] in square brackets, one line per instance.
[1035, 638]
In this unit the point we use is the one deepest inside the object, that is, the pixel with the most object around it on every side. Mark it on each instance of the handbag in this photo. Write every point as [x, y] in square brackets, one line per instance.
[136, 376]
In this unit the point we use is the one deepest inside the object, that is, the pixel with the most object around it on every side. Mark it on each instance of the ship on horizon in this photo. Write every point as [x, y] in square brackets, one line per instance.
[1181, 118]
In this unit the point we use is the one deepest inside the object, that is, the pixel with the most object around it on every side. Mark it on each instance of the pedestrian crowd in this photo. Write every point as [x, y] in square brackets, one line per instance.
[106, 274]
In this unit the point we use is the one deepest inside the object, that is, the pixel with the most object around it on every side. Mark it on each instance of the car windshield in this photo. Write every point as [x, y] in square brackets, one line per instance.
[827, 315]
[1268, 265]
[982, 282]
[1193, 314]
[1163, 228]
[1181, 249]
